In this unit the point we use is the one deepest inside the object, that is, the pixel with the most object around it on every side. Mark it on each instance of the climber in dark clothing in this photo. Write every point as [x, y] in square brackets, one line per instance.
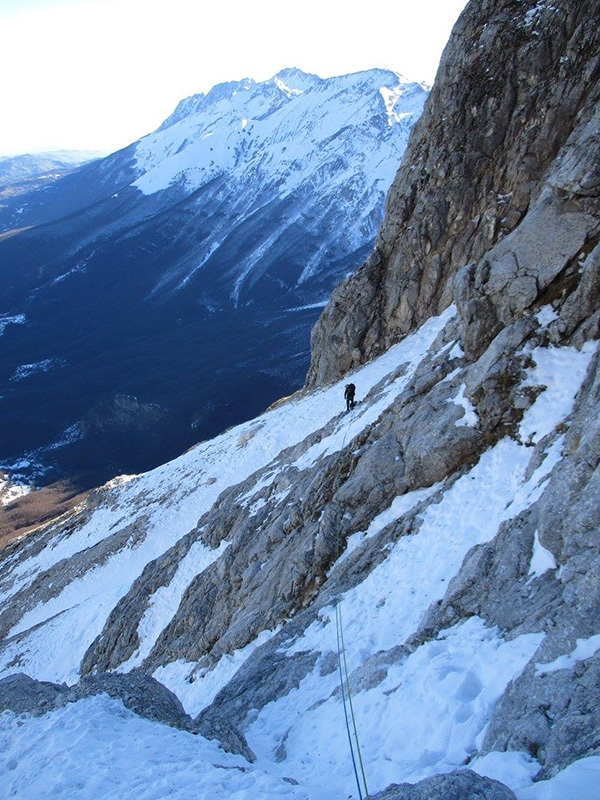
[349, 395]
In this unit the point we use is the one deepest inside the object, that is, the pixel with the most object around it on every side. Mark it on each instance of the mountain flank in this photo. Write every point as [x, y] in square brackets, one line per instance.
[493, 152]
[437, 547]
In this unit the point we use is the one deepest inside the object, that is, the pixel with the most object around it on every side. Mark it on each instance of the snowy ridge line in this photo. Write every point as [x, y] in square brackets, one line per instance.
[380, 391]
[249, 120]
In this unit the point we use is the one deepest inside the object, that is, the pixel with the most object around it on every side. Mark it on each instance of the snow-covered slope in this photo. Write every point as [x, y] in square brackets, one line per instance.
[135, 758]
[140, 552]
[192, 484]
[334, 142]
[229, 225]
[418, 575]
[272, 134]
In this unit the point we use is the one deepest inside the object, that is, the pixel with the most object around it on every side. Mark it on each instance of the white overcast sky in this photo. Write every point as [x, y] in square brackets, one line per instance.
[99, 74]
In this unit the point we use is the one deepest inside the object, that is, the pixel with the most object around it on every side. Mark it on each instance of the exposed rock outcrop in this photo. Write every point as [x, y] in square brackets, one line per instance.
[140, 693]
[451, 786]
[508, 140]
[23, 695]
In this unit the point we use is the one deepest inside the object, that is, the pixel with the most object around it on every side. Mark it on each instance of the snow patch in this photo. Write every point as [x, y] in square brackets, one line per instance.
[469, 418]
[533, 15]
[287, 90]
[546, 315]
[5, 320]
[585, 648]
[426, 715]
[390, 98]
[166, 599]
[320, 304]
[98, 748]
[579, 781]
[26, 370]
[9, 491]
[197, 687]
[560, 371]
[542, 560]
[513, 768]
[401, 505]
[457, 351]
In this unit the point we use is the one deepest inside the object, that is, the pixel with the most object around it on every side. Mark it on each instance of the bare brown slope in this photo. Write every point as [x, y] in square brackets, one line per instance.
[28, 513]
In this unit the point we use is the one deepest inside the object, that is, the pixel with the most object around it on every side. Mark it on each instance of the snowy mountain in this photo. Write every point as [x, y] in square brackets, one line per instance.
[168, 291]
[19, 174]
[401, 600]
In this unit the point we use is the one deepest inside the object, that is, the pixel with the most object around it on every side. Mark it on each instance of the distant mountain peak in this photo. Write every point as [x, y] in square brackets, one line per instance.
[295, 81]
[251, 201]
[29, 169]
[201, 140]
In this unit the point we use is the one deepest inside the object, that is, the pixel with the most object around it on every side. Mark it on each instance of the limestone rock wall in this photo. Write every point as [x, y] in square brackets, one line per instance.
[498, 144]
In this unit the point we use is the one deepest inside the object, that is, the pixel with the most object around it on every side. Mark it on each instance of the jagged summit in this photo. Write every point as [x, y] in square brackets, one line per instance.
[222, 93]
[285, 85]
[295, 80]
[273, 131]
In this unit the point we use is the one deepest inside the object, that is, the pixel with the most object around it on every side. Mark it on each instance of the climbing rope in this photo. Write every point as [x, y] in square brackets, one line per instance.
[347, 703]
[351, 730]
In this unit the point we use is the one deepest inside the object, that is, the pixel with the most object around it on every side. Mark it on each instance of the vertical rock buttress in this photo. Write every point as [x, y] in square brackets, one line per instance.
[514, 82]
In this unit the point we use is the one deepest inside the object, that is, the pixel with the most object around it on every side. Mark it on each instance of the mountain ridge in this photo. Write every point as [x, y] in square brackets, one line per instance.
[227, 226]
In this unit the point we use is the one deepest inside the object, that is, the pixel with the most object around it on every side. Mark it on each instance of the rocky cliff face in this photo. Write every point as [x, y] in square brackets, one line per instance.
[452, 515]
[506, 144]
